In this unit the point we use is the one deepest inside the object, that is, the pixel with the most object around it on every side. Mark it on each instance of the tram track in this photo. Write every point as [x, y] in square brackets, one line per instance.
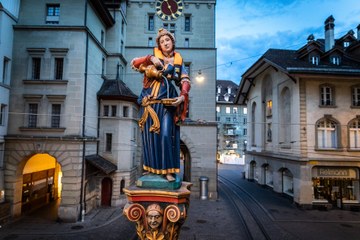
[258, 225]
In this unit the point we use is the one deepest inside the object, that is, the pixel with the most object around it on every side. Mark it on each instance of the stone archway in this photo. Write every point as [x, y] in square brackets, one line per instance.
[41, 182]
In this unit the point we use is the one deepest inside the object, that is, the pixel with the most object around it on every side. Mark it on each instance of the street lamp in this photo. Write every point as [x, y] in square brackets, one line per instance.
[199, 78]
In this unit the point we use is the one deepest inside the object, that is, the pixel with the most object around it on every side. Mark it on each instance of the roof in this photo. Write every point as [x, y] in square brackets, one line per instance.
[101, 163]
[225, 84]
[116, 90]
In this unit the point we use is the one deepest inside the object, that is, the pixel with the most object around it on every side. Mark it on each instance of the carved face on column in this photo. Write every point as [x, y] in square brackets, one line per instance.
[154, 216]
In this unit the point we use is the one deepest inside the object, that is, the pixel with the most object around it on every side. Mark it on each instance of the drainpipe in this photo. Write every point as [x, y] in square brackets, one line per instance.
[82, 195]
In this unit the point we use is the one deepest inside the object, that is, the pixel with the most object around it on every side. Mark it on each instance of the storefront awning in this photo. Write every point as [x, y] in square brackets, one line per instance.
[101, 163]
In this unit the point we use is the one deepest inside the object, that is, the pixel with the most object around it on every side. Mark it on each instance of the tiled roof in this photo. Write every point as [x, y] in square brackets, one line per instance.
[117, 90]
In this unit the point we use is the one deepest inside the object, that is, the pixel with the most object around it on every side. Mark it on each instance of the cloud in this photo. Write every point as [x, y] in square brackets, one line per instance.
[258, 25]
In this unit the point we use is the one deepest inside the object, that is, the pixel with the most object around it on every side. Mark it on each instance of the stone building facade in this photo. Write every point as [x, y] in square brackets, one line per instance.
[303, 120]
[72, 133]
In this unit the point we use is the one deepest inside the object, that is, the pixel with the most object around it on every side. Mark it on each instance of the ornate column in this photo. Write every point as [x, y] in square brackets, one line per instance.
[159, 208]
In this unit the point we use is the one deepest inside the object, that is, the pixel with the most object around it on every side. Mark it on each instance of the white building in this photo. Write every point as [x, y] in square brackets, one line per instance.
[304, 120]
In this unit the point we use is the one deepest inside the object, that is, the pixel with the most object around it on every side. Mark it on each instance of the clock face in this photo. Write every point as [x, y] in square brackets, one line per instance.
[169, 9]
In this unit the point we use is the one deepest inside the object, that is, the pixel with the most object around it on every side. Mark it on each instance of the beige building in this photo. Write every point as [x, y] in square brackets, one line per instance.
[72, 135]
[304, 120]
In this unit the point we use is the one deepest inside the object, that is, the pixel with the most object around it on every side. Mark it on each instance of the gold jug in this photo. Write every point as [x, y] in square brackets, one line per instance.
[150, 71]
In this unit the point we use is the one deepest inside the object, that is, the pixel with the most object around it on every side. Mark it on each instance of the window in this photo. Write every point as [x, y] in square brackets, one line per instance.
[187, 68]
[122, 47]
[326, 133]
[151, 24]
[106, 111]
[346, 44]
[326, 95]
[33, 113]
[5, 74]
[245, 110]
[186, 43]
[244, 131]
[354, 134]
[219, 89]
[244, 121]
[2, 114]
[102, 37]
[55, 115]
[335, 60]
[314, 60]
[355, 96]
[269, 105]
[53, 13]
[125, 111]
[187, 23]
[228, 119]
[122, 26]
[108, 141]
[218, 109]
[150, 42]
[226, 97]
[229, 90]
[36, 67]
[235, 110]
[103, 67]
[59, 68]
[113, 110]
[2, 155]
[228, 110]
[170, 27]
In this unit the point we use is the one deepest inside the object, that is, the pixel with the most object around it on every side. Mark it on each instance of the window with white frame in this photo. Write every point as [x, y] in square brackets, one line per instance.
[227, 110]
[326, 95]
[327, 134]
[335, 60]
[218, 109]
[235, 110]
[346, 44]
[355, 96]
[52, 13]
[314, 60]
[354, 134]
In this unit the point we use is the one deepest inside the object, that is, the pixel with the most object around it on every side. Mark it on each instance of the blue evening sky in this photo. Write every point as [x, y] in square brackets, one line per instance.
[245, 29]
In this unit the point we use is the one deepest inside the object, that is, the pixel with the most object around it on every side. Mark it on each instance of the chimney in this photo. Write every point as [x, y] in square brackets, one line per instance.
[358, 32]
[329, 33]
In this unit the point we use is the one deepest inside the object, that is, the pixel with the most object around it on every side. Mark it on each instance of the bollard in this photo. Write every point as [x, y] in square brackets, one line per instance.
[203, 187]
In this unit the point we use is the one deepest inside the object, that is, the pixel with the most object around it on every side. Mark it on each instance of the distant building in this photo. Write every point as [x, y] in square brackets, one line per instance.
[303, 120]
[232, 124]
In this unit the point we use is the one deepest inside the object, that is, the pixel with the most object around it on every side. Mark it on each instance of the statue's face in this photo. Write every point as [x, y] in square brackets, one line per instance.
[166, 44]
[154, 219]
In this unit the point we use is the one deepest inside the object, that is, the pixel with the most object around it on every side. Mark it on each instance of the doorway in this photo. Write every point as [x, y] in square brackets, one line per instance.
[106, 192]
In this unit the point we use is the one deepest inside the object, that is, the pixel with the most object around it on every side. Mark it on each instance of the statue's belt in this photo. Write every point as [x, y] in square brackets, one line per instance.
[146, 103]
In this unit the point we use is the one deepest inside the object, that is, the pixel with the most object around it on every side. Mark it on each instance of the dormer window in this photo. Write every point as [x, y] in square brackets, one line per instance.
[346, 44]
[335, 60]
[315, 60]
[229, 90]
[226, 97]
[219, 89]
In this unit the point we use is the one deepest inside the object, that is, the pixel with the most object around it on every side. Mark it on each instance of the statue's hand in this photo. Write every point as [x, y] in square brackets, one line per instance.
[178, 101]
[157, 63]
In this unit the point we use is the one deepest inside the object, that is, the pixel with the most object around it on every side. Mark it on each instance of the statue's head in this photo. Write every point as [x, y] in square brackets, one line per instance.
[162, 34]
